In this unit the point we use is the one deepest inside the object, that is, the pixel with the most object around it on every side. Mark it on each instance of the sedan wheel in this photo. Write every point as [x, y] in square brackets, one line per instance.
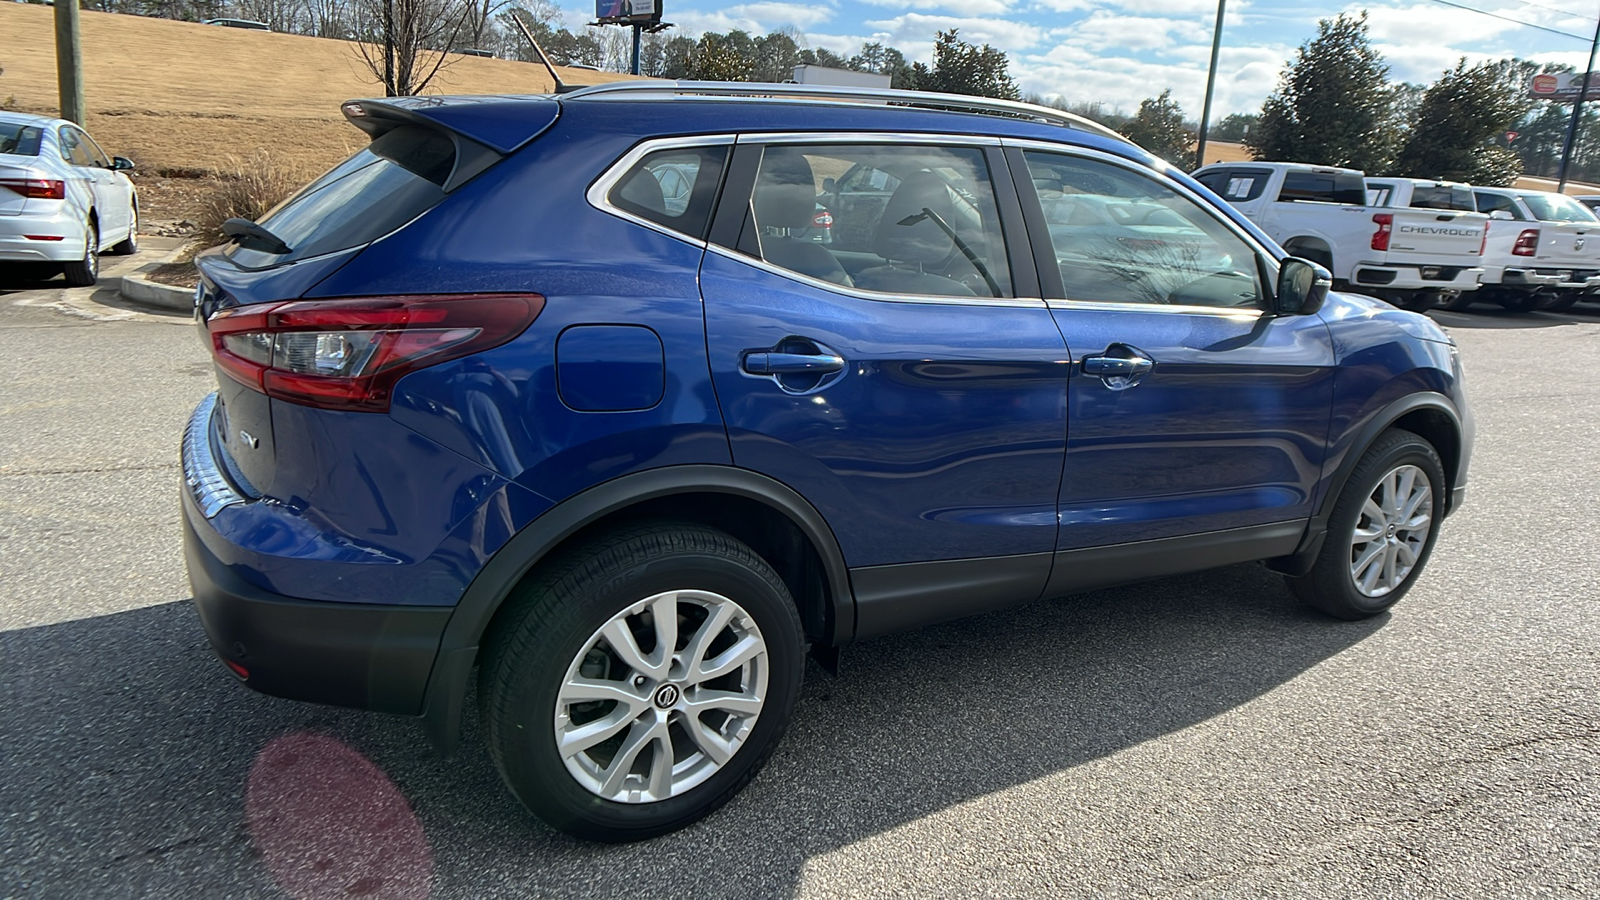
[85, 272]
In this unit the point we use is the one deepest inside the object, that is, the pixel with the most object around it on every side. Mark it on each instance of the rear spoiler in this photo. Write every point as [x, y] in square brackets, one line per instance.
[484, 129]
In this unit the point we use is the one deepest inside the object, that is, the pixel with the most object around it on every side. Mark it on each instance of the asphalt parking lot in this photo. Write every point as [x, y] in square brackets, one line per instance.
[1198, 736]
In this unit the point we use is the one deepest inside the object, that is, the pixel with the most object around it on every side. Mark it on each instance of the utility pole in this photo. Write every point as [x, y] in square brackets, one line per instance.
[1211, 83]
[1577, 113]
[638, 33]
[69, 60]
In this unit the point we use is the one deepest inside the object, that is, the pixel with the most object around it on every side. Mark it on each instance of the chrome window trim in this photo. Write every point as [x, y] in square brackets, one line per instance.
[599, 193]
[1159, 175]
[941, 299]
[207, 485]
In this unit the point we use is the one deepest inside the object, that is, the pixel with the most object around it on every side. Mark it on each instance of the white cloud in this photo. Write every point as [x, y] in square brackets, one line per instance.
[913, 33]
[755, 18]
[959, 7]
[1105, 31]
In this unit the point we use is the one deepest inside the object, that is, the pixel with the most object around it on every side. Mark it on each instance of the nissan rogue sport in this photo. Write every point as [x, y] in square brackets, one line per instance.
[495, 407]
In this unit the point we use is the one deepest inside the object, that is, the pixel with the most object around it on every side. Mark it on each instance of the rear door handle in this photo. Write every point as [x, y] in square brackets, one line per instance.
[772, 363]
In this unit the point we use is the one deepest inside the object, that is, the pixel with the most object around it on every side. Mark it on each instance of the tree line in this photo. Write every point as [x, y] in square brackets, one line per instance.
[1335, 105]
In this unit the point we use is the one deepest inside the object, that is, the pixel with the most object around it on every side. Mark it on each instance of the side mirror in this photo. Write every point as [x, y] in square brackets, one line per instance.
[1502, 214]
[1302, 287]
[829, 185]
[121, 163]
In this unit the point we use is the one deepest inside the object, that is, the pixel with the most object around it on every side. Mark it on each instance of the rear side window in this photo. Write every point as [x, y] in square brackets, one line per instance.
[20, 140]
[1343, 188]
[673, 188]
[1236, 185]
[1443, 196]
[396, 178]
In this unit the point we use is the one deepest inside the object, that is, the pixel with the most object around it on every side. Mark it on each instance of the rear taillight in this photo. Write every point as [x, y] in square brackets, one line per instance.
[1527, 243]
[37, 188]
[1380, 238]
[348, 354]
[1483, 241]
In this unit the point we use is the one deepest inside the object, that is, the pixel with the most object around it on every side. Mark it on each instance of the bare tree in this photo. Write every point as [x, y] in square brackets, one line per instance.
[329, 18]
[280, 15]
[478, 21]
[404, 43]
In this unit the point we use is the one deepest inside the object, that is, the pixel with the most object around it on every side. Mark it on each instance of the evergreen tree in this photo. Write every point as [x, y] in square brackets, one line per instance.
[961, 68]
[1458, 130]
[1333, 105]
[1158, 127]
[1233, 127]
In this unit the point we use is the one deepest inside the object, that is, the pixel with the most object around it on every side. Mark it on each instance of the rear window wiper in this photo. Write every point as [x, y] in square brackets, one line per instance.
[249, 234]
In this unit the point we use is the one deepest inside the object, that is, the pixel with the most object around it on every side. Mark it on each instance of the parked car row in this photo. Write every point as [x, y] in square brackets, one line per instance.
[63, 201]
[1418, 243]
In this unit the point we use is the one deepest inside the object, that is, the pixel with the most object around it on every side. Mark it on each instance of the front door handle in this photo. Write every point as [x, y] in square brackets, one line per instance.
[1119, 372]
[769, 362]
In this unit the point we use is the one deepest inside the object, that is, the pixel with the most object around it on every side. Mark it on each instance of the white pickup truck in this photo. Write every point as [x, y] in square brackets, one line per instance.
[1543, 250]
[1411, 257]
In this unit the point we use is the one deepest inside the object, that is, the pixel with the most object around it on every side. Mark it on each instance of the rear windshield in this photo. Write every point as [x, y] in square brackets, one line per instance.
[1557, 208]
[1443, 196]
[18, 139]
[396, 178]
[1344, 188]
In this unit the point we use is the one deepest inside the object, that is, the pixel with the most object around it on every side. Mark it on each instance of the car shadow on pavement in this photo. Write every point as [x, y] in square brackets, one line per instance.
[1489, 315]
[134, 763]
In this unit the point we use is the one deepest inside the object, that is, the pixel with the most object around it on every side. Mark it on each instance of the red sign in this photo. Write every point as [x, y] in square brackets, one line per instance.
[1545, 84]
[1511, 136]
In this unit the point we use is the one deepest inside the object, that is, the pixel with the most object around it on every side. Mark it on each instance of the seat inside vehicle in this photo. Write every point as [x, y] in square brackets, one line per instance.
[785, 198]
[918, 251]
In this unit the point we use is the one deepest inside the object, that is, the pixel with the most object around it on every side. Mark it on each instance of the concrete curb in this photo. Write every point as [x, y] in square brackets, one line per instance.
[140, 289]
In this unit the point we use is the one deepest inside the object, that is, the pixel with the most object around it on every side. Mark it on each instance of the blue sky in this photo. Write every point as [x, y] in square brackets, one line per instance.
[1121, 51]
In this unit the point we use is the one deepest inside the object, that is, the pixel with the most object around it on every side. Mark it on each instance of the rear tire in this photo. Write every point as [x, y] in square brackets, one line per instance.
[1461, 302]
[1382, 530]
[1523, 301]
[579, 654]
[1564, 302]
[85, 272]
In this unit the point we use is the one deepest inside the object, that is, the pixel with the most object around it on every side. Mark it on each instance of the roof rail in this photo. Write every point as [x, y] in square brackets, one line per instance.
[822, 93]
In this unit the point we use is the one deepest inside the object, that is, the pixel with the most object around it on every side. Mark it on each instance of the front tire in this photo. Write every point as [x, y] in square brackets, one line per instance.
[85, 272]
[1382, 530]
[641, 681]
[130, 245]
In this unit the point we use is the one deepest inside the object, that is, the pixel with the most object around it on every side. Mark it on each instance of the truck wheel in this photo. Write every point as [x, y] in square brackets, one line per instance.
[1381, 532]
[1460, 302]
[1564, 301]
[1419, 301]
[641, 681]
[1523, 301]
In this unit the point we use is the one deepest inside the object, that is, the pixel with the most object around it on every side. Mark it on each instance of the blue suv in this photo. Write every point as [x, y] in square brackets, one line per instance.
[494, 404]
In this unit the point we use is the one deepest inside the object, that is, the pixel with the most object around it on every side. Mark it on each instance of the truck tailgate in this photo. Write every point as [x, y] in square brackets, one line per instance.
[1436, 236]
[1572, 244]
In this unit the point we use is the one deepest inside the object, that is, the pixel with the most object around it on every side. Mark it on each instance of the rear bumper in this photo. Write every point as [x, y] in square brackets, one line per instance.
[363, 655]
[16, 245]
[1522, 278]
[1416, 278]
[358, 655]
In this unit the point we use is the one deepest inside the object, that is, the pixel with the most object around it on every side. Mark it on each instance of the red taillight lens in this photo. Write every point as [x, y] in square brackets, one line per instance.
[348, 354]
[1380, 238]
[37, 188]
[1527, 243]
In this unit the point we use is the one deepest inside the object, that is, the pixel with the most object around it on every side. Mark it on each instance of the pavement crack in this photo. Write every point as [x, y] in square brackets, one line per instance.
[157, 852]
[91, 470]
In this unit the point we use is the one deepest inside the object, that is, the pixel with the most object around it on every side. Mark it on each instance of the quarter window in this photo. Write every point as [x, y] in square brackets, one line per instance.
[1121, 237]
[892, 218]
[673, 188]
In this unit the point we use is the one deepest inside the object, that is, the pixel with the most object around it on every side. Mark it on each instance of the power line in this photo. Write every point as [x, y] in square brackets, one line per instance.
[1565, 12]
[1484, 12]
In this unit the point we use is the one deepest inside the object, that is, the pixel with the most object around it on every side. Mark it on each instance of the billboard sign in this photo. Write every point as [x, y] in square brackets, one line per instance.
[1563, 87]
[627, 12]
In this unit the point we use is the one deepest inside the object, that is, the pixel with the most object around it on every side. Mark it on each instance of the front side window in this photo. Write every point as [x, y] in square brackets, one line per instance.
[72, 149]
[890, 218]
[1488, 203]
[1123, 237]
[673, 188]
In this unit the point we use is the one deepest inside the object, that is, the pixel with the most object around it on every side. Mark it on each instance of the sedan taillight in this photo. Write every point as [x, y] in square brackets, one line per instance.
[37, 188]
[348, 354]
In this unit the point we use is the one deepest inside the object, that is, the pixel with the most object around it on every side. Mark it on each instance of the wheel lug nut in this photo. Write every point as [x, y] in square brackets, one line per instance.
[638, 681]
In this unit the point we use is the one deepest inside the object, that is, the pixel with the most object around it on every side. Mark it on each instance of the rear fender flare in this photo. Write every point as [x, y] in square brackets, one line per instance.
[458, 647]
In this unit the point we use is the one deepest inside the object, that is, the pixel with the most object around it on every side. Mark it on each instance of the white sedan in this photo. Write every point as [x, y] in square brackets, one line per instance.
[62, 200]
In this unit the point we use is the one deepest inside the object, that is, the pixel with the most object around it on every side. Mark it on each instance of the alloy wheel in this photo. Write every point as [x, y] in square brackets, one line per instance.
[1392, 531]
[661, 696]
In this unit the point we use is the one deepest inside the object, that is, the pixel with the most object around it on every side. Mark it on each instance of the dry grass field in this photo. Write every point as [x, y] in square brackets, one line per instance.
[181, 97]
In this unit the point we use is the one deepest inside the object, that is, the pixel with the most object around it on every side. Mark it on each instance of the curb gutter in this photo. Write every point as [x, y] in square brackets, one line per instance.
[139, 289]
